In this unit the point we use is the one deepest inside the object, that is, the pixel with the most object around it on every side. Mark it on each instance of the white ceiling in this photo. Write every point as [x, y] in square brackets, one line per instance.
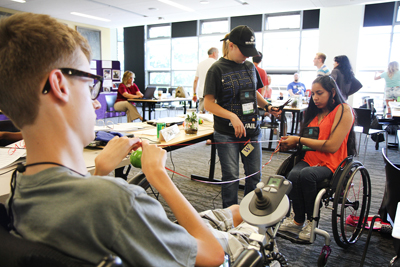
[123, 13]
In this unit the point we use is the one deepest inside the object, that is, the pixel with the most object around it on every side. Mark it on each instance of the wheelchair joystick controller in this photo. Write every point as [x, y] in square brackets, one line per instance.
[268, 203]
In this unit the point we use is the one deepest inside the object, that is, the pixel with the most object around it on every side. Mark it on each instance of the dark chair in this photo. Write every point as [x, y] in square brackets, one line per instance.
[17, 252]
[110, 100]
[387, 211]
[363, 124]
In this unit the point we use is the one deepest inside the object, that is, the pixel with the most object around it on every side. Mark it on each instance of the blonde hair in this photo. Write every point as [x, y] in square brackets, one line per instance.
[393, 68]
[126, 76]
[225, 46]
[321, 56]
[32, 45]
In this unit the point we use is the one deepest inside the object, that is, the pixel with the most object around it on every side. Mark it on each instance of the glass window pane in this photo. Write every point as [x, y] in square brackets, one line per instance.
[184, 53]
[206, 42]
[309, 47]
[183, 78]
[208, 27]
[121, 55]
[159, 31]
[373, 49]
[372, 88]
[158, 54]
[281, 50]
[395, 53]
[120, 34]
[159, 78]
[282, 22]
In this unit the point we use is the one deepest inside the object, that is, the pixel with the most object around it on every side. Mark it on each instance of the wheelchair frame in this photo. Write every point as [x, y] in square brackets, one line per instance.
[349, 190]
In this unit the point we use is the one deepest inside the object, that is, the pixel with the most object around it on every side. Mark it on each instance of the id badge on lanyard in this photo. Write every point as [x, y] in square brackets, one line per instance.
[248, 101]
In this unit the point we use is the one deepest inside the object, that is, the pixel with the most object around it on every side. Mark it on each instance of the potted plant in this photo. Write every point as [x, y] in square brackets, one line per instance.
[191, 123]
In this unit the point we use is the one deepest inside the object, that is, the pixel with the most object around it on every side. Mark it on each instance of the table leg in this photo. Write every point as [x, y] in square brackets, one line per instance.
[184, 107]
[210, 177]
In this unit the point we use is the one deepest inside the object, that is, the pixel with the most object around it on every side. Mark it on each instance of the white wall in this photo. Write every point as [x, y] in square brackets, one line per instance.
[339, 29]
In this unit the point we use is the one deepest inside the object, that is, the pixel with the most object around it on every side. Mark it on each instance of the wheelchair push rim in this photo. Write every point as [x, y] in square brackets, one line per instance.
[351, 205]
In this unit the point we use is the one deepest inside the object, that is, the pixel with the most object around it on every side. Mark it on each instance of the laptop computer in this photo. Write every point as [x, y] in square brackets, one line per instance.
[149, 92]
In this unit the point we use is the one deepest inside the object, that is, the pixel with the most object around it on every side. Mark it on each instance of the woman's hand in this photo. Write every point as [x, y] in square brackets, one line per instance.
[275, 111]
[238, 126]
[288, 142]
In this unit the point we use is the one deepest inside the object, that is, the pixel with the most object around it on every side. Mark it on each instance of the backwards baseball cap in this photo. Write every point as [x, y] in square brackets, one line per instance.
[243, 36]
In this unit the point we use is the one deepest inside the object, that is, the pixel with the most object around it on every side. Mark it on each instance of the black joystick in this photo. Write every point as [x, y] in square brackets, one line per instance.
[262, 202]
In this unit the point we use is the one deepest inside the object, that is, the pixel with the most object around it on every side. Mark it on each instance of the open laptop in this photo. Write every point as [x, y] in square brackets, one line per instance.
[149, 92]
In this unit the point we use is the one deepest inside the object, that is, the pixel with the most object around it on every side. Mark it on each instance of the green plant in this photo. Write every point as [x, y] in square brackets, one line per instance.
[192, 120]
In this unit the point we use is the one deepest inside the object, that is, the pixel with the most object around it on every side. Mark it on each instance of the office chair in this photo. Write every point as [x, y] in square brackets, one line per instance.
[387, 211]
[110, 100]
[18, 252]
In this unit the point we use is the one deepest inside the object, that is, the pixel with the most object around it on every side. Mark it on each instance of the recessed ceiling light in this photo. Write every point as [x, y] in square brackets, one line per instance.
[19, 1]
[168, 2]
[89, 16]
[153, 8]
[204, 2]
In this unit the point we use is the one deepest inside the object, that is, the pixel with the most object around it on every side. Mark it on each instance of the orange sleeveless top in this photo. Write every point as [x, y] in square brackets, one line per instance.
[318, 158]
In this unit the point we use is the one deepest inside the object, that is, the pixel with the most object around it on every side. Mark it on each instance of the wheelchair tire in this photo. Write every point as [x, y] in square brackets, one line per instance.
[140, 180]
[352, 200]
[322, 260]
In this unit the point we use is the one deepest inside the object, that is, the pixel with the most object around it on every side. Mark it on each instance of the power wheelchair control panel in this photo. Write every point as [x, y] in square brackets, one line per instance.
[268, 203]
[265, 208]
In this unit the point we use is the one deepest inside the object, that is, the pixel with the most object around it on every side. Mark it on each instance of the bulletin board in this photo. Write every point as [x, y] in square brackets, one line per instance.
[94, 39]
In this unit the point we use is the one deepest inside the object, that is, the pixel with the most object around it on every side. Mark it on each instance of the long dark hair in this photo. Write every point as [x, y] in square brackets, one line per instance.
[328, 83]
[344, 67]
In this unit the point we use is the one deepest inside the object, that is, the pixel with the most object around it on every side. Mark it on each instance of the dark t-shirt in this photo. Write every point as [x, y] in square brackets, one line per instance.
[225, 80]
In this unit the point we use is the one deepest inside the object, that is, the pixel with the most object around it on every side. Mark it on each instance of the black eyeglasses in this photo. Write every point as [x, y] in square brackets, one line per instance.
[94, 89]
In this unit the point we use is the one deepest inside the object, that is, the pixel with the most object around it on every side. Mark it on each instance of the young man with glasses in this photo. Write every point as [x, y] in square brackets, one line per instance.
[53, 199]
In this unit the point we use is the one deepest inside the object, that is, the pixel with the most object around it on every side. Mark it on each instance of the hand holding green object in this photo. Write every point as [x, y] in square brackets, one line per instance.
[136, 159]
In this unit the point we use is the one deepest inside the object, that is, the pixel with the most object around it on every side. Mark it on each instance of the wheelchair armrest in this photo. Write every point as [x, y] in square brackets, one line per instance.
[249, 258]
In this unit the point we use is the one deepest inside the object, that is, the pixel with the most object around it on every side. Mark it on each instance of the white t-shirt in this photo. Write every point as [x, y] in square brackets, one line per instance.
[201, 72]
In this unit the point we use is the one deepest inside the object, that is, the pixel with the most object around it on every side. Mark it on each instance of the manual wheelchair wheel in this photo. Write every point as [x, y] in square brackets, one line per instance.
[322, 260]
[351, 204]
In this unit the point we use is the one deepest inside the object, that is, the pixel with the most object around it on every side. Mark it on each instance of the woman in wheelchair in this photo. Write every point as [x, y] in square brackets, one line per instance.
[327, 141]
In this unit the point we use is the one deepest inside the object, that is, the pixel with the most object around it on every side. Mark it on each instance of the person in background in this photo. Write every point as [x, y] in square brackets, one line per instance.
[264, 91]
[342, 73]
[332, 118]
[296, 87]
[127, 89]
[230, 93]
[200, 77]
[319, 61]
[392, 78]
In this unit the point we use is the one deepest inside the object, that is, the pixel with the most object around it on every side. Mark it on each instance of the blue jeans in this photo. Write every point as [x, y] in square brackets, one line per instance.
[304, 188]
[228, 154]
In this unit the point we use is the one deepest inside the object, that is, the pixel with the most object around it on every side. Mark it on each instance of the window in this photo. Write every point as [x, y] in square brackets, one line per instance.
[183, 78]
[206, 42]
[214, 26]
[309, 46]
[120, 48]
[282, 21]
[159, 31]
[285, 47]
[184, 53]
[159, 78]
[158, 56]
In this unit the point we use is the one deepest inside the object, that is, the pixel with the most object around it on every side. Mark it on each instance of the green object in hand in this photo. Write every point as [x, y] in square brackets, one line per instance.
[136, 159]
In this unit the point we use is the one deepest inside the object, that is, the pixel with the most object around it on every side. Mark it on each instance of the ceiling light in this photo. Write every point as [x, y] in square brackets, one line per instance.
[88, 16]
[19, 1]
[204, 2]
[168, 2]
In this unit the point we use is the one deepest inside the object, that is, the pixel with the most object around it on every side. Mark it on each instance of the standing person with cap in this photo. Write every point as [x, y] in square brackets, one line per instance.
[199, 79]
[230, 93]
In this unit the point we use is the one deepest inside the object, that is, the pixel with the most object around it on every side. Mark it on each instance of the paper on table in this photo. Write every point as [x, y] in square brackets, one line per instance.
[148, 132]
[8, 158]
[120, 127]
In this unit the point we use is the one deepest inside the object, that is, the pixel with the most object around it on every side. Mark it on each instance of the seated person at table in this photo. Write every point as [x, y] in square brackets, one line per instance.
[328, 113]
[296, 87]
[55, 201]
[128, 90]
